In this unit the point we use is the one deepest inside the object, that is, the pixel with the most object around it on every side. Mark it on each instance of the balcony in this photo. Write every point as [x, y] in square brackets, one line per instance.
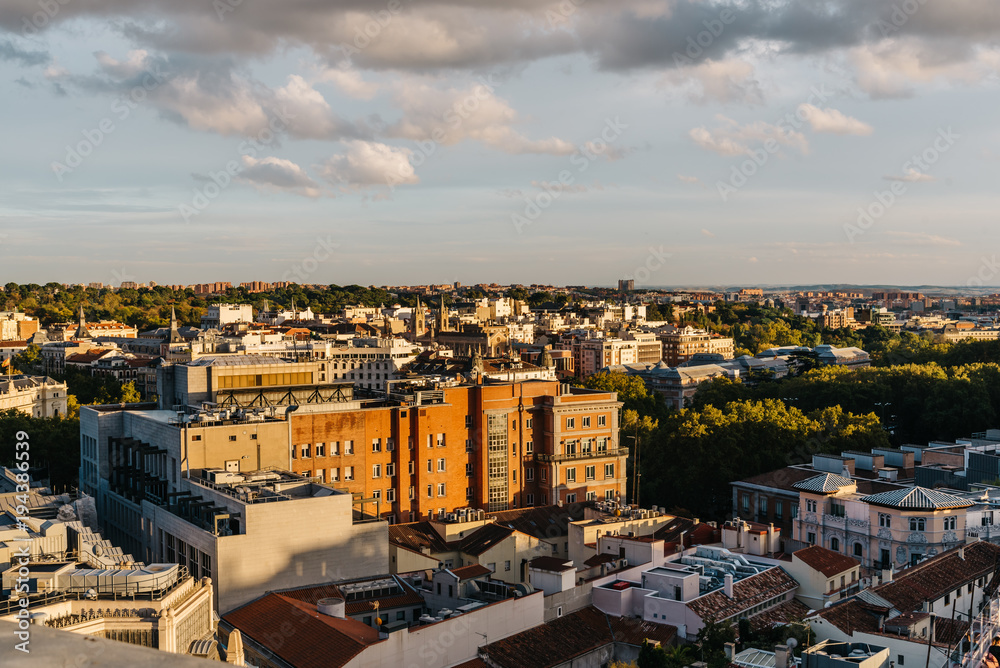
[594, 454]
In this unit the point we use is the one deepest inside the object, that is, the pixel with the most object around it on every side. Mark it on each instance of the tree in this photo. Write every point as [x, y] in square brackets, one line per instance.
[28, 361]
[651, 656]
[712, 639]
[130, 395]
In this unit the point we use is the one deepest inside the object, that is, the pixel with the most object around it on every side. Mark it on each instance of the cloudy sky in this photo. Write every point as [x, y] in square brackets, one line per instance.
[575, 142]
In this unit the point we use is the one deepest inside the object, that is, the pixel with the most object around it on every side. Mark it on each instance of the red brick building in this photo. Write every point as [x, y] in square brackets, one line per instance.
[495, 447]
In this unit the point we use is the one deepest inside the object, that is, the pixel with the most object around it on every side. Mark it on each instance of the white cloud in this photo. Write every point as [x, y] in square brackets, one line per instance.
[833, 121]
[690, 180]
[449, 116]
[308, 113]
[717, 81]
[894, 68]
[911, 175]
[923, 239]
[732, 139]
[276, 174]
[366, 164]
[351, 83]
[137, 61]
[708, 233]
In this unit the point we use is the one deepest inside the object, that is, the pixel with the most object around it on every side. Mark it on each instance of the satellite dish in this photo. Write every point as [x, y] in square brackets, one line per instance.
[792, 643]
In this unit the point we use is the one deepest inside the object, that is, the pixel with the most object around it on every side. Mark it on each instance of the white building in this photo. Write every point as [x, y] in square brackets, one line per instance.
[38, 396]
[218, 316]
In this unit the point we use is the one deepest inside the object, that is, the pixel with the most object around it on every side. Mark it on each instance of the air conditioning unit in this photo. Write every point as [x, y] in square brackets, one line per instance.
[622, 563]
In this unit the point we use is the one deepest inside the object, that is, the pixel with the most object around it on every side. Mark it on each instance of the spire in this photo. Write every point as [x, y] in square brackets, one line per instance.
[175, 335]
[81, 330]
[442, 316]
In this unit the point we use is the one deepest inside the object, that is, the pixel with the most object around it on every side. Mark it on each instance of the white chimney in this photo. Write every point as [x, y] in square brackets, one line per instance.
[781, 656]
[729, 585]
[332, 607]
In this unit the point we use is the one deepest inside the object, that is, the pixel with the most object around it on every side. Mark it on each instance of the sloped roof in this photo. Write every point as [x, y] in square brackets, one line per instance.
[321, 641]
[471, 571]
[939, 575]
[572, 636]
[826, 483]
[917, 498]
[827, 562]
[747, 593]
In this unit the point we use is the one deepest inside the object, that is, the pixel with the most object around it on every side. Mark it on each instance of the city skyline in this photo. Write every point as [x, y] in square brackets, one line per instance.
[741, 143]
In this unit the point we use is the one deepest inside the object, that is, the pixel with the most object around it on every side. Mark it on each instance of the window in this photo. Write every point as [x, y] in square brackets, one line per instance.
[602, 421]
[602, 445]
[232, 438]
[321, 449]
[858, 550]
[348, 447]
[377, 494]
[810, 506]
[440, 440]
[837, 509]
[987, 518]
[950, 523]
[305, 451]
[545, 474]
[430, 440]
[334, 475]
[570, 423]
[409, 439]
[587, 446]
[196, 437]
[430, 491]
[571, 498]
[571, 475]
[609, 471]
[746, 503]
[527, 423]
[295, 452]
[335, 448]
[468, 421]
[469, 470]
[779, 509]
[811, 538]
[390, 495]
[390, 445]
[411, 468]
[412, 493]
[377, 471]
[591, 496]
[585, 422]
[376, 445]
[441, 489]
[529, 499]
[590, 472]
[529, 447]
[441, 466]
[835, 544]
[430, 465]
[253, 437]
[917, 524]
[348, 473]
[570, 447]
[506, 565]
[762, 506]
[529, 474]
[390, 470]
[899, 658]
[468, 445]
[468, 492]
[885, 520]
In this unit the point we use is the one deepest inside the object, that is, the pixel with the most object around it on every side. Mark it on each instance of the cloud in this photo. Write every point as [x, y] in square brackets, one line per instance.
[911, 175]
[558, 187]
[276, 174]
[717, 81]
[10, 52]
[752, 260]
[351, 83]
[895, 68]
[731, 138]
[707, 233]
[690, 180]
[832, 121]
[451, 115]
[923, 239]
[366, 164]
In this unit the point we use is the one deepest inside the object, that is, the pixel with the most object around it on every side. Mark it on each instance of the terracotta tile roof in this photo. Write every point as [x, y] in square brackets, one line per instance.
[784, 478]
[747, 593]
[935, 577]
[548, 523]
[571, 636]
[471, 571]
[318, 641]
[827, 562]
[474, 663]
[850, 616]
[789, 611]
[417, 536]
[407, 597]
[949, 631]
[599, 559]
[551, 564]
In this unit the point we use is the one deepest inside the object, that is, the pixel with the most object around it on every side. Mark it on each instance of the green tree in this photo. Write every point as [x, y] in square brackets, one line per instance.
[130, 395]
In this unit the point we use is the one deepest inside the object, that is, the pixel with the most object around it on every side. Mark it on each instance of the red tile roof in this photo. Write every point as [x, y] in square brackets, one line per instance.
[471, 571]
[747, 593]
[787, 612]
[572, 636]
[406, 598]
[935, 577]
[314, 641]
[827, 562]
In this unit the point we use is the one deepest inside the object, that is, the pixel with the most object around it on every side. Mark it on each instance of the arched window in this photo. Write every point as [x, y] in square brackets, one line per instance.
[835, 544]
[858, 550]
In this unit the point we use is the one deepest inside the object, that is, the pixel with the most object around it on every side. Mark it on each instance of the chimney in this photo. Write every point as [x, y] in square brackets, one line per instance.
[730, 649]
[781, 656]
[886, 575]
[729, 585]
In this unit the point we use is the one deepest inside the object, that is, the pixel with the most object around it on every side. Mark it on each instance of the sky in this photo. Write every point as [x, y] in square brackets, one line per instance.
[674, 142]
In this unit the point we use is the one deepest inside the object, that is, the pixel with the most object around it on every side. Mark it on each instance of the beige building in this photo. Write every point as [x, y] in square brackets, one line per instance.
[16, 326]
[681, 345]
[592, 355]
[824, 576]
[38, 396]
[890, 529]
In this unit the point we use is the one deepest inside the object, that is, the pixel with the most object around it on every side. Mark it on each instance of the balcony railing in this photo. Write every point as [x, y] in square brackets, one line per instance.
[595, 454]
